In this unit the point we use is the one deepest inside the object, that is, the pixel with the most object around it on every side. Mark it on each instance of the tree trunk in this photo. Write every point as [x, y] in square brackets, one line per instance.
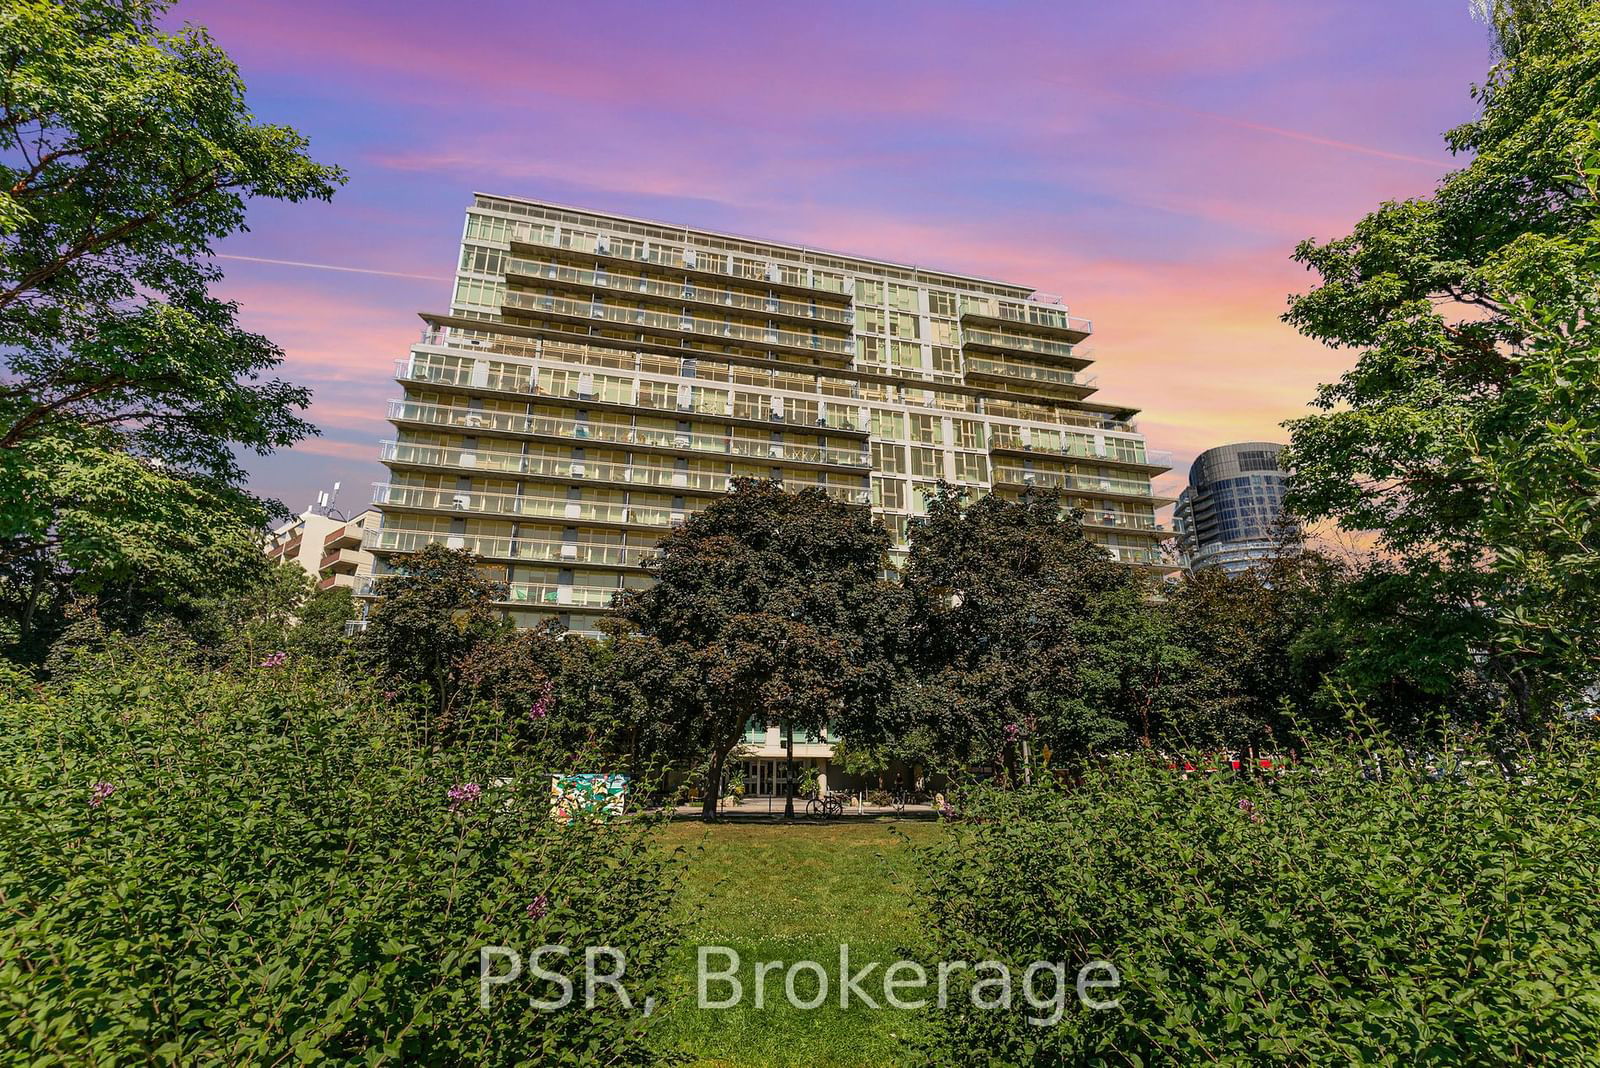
[708, 805]
[35, 591]
[788, 767]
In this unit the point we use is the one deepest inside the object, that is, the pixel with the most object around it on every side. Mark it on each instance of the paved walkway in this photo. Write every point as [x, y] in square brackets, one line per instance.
[769, 808]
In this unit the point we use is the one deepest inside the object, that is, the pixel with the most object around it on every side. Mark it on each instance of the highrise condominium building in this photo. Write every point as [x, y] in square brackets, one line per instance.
[1229, 516]
[598, 378]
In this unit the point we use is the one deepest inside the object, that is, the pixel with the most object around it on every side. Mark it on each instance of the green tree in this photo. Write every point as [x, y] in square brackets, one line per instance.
[1543, 520]
[1025, 632]
[768, 606]
[1430, 290]
[126, 151]
[428, 617]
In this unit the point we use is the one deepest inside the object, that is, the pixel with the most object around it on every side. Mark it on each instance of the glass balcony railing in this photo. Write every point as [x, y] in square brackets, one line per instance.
[597, 471]
[676, 291]
[525, 506]
[834, 416]
[685, 259]
[1042, 309]
[996, 339]
[508, 548]
[556, 596]
[645, 320]
[582, 430]
[533, 593]
[1051, 376]
[1129, 555]
[1066, 481]
[1077, 450]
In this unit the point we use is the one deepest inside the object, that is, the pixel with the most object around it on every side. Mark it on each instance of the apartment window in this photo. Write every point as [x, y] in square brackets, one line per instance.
[752, 405]
[890, 459]
[710, 401]
[558, 383]
[907, 354]
[868, 291]
[613, 390]
[800, 411]
[946, 360]
[927, 463]
[871, 350]
[966, 434]
[905, 324]
[482, 260]
[581, 240]
[971, 467]
[927, 429]
[903, 298]
[871, 320]
[889, 493]
[483, 294]
[488, 228]
[887, 424]
[940, 303]
[943, 332]
[658, 395]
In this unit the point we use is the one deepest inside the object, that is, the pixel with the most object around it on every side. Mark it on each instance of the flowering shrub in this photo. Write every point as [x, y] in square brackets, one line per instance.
[267, 867]
[1354, 910]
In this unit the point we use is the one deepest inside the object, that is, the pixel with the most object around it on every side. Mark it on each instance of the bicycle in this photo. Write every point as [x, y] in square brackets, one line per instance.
[827, 806]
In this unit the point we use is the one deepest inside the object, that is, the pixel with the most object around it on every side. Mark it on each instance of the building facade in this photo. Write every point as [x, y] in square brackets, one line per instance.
[598, 378]
[328, 548]
[1229, 516]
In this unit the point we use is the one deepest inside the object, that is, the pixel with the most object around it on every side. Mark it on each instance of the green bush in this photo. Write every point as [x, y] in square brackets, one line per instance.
[1329, 914]
[265, 866]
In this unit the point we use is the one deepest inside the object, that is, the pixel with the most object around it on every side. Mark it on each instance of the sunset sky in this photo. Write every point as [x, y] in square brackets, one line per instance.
[1155, 163]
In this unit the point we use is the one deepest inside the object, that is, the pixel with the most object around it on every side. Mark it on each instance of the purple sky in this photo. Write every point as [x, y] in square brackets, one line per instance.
[1154, 162]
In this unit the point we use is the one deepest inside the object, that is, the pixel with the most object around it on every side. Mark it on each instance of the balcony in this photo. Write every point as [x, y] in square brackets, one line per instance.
[842, 417]
[1088, 485]
[1048, 322]
[513, 505]
[644, 321]
[673, 262]
[1005, 371]
[567, 469]
[496, 547]
[579, 431]
[534, 273]
[1150, 461]
[346, 537]
[341, 561]
[976, 338]
[544, 595]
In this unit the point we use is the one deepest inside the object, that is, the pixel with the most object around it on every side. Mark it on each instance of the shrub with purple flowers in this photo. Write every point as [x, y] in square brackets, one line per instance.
[1316, 914]
[291, 872]
[463, 794]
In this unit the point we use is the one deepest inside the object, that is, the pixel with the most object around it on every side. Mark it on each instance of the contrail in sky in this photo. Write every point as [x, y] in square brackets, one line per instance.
[1259, 127]
[332, 267]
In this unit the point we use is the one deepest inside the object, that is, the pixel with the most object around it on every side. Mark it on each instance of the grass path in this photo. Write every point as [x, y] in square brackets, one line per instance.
[788, 893]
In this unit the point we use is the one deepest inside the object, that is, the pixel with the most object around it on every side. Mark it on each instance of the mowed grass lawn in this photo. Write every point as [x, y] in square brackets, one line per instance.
[787, 893]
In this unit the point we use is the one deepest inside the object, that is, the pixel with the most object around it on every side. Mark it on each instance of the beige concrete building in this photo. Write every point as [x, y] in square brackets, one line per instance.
[598, 378]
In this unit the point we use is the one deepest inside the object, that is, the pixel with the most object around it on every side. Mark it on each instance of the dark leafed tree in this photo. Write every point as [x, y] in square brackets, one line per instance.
[126, 151]
[1446, 299]
[429, 617]
[771, 607]
[1026, 633]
